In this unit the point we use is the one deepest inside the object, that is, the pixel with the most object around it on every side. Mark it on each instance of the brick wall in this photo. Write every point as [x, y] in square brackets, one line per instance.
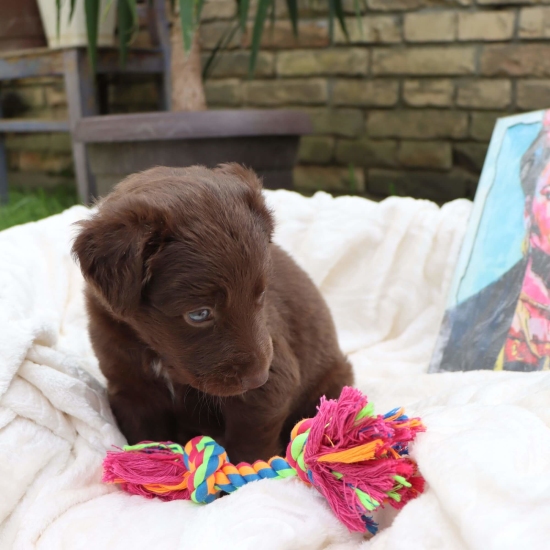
[407, 106]
[45, 160]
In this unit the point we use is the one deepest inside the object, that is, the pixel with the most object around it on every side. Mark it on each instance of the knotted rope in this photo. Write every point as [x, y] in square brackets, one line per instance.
[359, 461]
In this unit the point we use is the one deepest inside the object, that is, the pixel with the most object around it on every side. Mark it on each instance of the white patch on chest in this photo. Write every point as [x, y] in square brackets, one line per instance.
[156, 366]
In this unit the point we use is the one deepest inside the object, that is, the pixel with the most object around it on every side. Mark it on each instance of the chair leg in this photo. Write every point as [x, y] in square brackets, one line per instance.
[81, 99]
[163, 33]
[3, 172]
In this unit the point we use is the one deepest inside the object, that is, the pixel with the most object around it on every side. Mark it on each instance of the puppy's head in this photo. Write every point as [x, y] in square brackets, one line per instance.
[182, 256]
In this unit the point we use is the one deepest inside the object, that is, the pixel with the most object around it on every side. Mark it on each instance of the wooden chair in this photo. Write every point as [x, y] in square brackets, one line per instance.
[82, 88]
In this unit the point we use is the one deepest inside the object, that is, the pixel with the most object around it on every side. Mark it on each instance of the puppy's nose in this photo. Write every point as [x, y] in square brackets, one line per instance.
[255, 380]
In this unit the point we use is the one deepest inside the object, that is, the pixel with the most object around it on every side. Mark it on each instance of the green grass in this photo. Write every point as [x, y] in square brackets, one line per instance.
[31, 205]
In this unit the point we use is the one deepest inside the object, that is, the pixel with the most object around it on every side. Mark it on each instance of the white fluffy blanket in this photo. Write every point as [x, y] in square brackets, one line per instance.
[384, 269]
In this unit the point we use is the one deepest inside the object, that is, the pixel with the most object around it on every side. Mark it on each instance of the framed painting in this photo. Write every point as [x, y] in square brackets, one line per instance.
[498, 311]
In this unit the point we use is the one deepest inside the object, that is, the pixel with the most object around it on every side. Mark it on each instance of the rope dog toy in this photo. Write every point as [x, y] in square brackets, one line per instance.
[357, 460]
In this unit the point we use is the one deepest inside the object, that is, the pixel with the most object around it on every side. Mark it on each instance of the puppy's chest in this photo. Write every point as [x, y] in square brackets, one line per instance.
[197, 414]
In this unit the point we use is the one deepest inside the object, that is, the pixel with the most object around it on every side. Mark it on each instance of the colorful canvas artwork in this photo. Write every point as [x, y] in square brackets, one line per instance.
[498, 310]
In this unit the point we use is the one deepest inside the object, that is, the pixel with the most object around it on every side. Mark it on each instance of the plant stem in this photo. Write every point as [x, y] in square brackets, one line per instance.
[187, 84]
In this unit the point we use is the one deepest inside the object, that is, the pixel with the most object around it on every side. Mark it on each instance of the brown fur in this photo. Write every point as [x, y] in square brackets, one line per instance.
[169, 241]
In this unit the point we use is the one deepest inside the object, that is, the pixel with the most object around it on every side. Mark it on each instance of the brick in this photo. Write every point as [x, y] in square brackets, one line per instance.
[422, 124]
[375, 29]
[29, 180]
[470, 156]
[394, 5]
[46, 113]
[317, 178]
[426, 154]
[484, 94]
[433, 185]
[483, 124]
[446, 3]
[222, 9]
[134, 93]
[231, 64]
[430, 27]
[31, 161]
[534, 23]
[363, 92]
[224, 92]
[211, 33]
[533, 94]
[60, 143]
[58, 164]
[27, 142]
[60, 113]
[142, 39]
[306, 8]
[424, 61]
[316, 149]
[39, 81]
[348, 61]
[516, 60]
[50, 143]
[349, 6]
[366, 152]
[405, 5]
[31, 96]
[55, 95]
[413, 5]
[311, 34]
[486, 25]
[428, 92]
[338, 122]
[502, 2]
[286, 92]
[13, 160]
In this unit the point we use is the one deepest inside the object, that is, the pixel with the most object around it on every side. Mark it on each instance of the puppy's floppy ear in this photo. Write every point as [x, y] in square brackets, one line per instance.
[254, 195]
[114, 253]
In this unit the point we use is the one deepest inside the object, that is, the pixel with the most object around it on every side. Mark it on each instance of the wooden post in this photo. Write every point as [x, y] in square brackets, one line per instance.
[3, 168]
[81, 99]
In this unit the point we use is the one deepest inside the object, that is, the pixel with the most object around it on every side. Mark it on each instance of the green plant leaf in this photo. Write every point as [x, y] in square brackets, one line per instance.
[352, 179]
[257, 32]
[292, 6]
[58, 17]
[357, 9]
[336, 10]
[91, 8]
[272, 16]
[198, 11]
[127, 23]
[222, 43]
[73, 4]
[243, 7]
[187, 18]
[331, 15]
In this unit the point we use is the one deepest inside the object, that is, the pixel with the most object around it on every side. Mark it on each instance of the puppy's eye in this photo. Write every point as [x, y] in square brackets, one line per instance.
[200, 315]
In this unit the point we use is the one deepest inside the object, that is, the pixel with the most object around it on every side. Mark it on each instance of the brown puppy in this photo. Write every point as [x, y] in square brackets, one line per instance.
[201, 325]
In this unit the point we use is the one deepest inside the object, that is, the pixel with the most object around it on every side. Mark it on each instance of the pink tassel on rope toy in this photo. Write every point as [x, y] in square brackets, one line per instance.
[357, 460]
